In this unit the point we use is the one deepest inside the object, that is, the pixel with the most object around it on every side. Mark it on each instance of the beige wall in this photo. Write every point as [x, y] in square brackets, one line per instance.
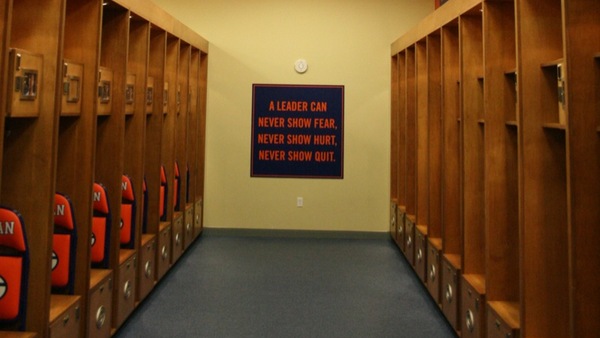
[346, 42]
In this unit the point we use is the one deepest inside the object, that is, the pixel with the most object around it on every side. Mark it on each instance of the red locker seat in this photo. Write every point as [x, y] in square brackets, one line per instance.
[128, 209]
[162, 203]
[14, 270]
[100, 228]
[176, 186]
[64, 246]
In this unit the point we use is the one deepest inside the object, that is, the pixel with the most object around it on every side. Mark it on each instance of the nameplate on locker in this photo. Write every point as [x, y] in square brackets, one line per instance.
[72, 80]
[166, 98]
[26, 76]
[104, 91]
[149, 95]
[130, 94]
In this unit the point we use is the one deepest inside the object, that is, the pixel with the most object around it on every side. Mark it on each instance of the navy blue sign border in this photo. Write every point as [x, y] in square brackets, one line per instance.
[262, 95]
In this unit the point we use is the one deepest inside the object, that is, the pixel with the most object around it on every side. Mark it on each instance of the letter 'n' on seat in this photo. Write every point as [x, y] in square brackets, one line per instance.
[100, 228]
[14, 270]
[64, 246]
[162, 205]
[128, 207]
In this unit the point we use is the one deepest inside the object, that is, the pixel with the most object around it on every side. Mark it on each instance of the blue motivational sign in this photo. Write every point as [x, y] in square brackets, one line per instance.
[297, 131]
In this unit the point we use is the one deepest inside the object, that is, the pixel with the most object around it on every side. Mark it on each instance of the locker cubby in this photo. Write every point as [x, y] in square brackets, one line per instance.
[543, 194]
[501, 158]
[409, 128]
[473, 166]
[169, 143]
[181, 139]
[433, 242]
[421, 160]
[401, 139]
[470, 30]
[76, 149]
[31, 29]
[451, 204]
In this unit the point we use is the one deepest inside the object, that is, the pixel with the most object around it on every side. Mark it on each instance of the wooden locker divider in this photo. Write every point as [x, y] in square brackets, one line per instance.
[433, 247]
[473, 130]
[201, 142]
[135, 135]
[181, 142]
[451, 164]
[394, 152]
[110, 138]
[137, 31]
[501, 188]
[153, 161]
[76, 147]
[400, 126]
[30, 141]
[411, 156]
[582, 34]
[542, 199]
[421, 161]
[192, 143]
[169, 144]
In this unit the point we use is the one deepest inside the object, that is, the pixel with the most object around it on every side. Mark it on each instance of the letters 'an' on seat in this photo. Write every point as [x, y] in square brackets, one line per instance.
[128, 209]
[14, 270]
[100, 228]
[64, 246]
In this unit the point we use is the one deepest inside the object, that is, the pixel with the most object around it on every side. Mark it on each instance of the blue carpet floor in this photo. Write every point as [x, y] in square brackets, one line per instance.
[228, 286]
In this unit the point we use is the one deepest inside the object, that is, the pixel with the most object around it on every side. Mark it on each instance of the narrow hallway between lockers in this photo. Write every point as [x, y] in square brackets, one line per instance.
[238, 286]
